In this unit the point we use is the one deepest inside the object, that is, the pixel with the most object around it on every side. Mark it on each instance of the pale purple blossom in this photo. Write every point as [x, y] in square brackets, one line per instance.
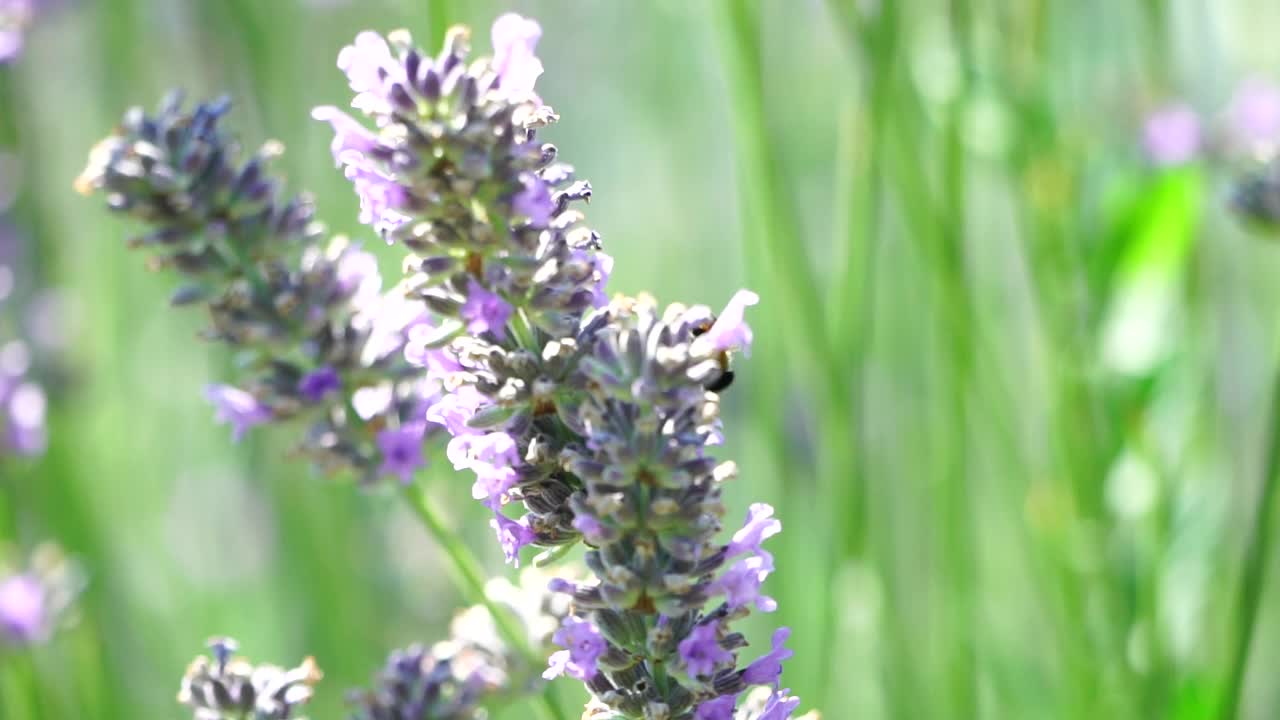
[701, 650]
[381, 197]
[493, 458]
[514, 40]
[534, 201]
[760, 525]
[370, 69]
[23, 615]
[584, 645]
[357, 276]
[453, 410]
[15, 16]
[767, 669]
[720, 708]
[741, 583]
[236, 407]
[779, 706]
[1171, 135]
[348, 134]
[1255, 112]
[318, 384]
[730, 330]
[485, 311]
[401, 449]
[512, 535]
[24, 412]
[591, 529]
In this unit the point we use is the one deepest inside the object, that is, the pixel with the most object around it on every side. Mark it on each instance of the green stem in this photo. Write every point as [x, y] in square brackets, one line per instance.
[1255, 565]
[471, 579]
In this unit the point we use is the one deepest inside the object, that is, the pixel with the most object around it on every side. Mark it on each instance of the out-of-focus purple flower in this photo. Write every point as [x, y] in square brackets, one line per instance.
[741, 583]
[370, 69]
[514, 40]
[760, 525]
[701, 650]
[584, 646]
[719, 709]
[768, 668]
[1255, 112]
[418, 351]
[402, 451]
[590, 528]
[1171, 135]
[534, 201]
[319, 383]
[15, 16]
[454, 409]
[485, 311]
[512, 535]
[24, 415]
[348, 135]
[381, 198]
[358, 276]
[779, 706]
[23, 617]
[730, 330]
[236, 407]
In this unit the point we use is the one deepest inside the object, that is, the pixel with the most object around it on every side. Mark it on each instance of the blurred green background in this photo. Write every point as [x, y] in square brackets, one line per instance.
[1009, 391]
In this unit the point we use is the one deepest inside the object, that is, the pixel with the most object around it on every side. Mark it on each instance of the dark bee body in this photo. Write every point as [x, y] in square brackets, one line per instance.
[722, 381]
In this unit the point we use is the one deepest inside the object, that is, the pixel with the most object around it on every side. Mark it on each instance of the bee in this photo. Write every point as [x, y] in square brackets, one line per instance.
[721, 382]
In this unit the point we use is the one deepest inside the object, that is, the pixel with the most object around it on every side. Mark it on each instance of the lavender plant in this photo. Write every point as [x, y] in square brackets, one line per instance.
[596, 417]
[318, 343]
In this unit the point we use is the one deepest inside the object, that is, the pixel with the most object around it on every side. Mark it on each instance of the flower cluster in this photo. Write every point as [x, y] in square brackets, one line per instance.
[15, 17]
[597, 416]
[454, 678]
[319, 340]
[223, 687]
[37, 597]
[452, 170]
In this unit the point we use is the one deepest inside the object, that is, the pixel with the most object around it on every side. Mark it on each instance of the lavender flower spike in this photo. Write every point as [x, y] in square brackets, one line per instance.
[585, 646]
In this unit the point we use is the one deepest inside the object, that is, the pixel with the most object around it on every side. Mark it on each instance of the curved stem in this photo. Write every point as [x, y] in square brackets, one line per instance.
[471, 579]
[1255, 565]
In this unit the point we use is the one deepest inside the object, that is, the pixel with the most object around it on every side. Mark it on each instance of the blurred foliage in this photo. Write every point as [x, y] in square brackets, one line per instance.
[1009, 392]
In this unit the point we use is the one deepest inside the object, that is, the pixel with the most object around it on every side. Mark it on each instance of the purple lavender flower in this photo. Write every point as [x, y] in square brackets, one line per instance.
[22, 609]
[402, 451]
[1255, 112]
[759, 526]
[768, 668]
[485, 311]
[237, 407]
[512, 535]
[779, 706]
[15, 16]
[730, 330]
[493, 458]
[719, 709]
[584, 646]
[24, 415]
[370, 69]
[453, 410]
[348, 135]
[1171, 135]
[590, 528]
[534, 201]
[741, 583]
[380, 197]
[358, 276]
[316, 385]
[701, 650]
[514, 40]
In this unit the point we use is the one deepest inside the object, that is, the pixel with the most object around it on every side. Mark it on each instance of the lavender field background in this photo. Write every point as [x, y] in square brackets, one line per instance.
[1011, 384]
